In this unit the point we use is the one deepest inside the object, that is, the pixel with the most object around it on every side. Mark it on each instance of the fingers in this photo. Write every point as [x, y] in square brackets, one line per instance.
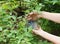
[31, 13]
[32, 16]
[36, 31]
[29, 17]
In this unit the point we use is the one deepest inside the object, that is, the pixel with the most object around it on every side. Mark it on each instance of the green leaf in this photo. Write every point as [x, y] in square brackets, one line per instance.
[1, 29]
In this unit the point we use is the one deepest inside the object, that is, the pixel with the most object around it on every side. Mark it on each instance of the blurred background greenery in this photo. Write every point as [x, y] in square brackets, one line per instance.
[13, 28]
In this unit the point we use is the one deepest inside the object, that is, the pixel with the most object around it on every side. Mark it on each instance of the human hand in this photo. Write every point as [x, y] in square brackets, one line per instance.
[37, 31]
[33, 16]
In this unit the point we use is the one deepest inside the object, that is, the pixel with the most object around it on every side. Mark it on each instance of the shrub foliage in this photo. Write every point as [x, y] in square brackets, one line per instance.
[13, 29]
